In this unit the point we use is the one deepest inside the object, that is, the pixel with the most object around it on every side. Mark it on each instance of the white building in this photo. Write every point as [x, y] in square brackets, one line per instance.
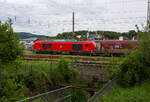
[28, 43]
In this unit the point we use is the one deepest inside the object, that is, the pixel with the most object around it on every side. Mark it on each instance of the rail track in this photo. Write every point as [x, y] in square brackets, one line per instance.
[35, 57]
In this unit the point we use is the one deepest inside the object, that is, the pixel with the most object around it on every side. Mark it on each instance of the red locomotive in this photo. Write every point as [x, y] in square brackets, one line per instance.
[85, 47]
[73, 47]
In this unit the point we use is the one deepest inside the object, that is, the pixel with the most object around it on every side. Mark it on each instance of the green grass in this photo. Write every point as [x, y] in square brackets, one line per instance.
[44, 66]
[136, 94]
[37, 66]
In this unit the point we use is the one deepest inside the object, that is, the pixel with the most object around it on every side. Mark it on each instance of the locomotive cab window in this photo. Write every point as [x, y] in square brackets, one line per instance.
[77, 47]
[46, 46]
[86, 45]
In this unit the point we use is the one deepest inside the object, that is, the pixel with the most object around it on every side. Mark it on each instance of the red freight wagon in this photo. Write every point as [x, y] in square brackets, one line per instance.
[117, 46]
[64, 47]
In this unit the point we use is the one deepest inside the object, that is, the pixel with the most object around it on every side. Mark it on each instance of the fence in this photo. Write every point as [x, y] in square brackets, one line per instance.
[58, 95]
[87, 70]
[98, 96]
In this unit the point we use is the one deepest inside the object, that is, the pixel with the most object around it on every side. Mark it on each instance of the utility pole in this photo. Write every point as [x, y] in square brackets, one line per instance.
[15, 18]
[148, 16]
[73, 24]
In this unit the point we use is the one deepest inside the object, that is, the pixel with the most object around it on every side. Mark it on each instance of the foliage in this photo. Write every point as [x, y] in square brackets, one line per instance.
[11, 89]
[131, 34]
[135, 68]
[106, 34]
[112, 68]
[144, 48]
[36, 75]
[37, 80]
[9, 42]
[63, 71]
[135, 94]
[78, 95]
[41, 76]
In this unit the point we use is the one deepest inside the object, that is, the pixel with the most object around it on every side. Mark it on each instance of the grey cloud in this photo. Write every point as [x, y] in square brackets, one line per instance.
[51, 16]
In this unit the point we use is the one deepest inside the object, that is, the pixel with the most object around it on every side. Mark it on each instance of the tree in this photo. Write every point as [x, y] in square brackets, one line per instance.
[135, 68]
[11, 90]
[131, 34]
[9, 43]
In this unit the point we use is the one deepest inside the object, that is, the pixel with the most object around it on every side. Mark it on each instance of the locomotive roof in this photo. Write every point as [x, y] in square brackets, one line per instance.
[119, 41]
[64, 41]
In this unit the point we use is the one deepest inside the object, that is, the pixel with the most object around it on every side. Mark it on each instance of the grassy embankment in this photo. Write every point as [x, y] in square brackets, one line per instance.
[136, 94]
[46, 67]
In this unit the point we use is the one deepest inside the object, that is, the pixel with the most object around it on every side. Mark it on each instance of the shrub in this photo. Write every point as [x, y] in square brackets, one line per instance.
[36, 76]
[63, 71]
[133, 70]
[78, 95]
[11, 89]
[37, 80]
[112, 69]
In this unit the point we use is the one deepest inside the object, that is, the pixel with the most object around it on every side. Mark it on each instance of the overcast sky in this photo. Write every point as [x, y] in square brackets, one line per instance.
[50, 17]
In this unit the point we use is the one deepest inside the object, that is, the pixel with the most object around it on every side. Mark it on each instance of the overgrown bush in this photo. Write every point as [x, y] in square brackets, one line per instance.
[63, 72]
[37, 81]
[11, 89]
[135, 68]
[78, 95]
[35, 76]
[112, 69]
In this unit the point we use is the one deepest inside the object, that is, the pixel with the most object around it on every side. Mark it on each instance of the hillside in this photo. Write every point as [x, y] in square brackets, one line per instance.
[25, 35]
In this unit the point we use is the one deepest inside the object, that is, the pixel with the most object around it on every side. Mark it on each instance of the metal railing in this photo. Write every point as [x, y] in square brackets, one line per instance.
[98, 96]
[58, 95]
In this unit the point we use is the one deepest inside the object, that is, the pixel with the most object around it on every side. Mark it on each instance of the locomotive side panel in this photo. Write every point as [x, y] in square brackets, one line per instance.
[60, 47]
